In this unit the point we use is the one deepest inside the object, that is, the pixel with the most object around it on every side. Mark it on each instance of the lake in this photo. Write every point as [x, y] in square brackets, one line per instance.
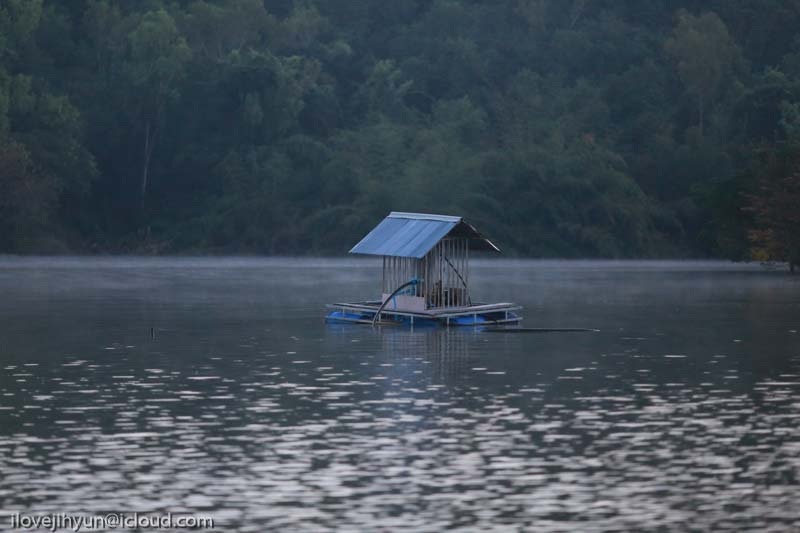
[213, 386]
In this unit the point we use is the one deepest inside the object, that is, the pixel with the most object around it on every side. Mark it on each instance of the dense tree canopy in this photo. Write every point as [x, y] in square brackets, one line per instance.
[775, 205]
[562, 127]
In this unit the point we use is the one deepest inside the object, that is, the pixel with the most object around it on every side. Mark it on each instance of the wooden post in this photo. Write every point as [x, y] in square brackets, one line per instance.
[466, 270]
[441, 273]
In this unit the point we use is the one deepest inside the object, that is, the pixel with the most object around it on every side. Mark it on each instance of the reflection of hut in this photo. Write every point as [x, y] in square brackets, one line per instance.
[413, 354]
[439, 353]
[425, 272]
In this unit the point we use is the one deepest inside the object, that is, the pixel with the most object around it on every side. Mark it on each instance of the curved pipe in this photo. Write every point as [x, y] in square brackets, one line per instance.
[386, 301]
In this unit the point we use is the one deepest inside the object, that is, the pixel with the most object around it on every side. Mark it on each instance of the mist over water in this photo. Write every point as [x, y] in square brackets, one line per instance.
[213, 386]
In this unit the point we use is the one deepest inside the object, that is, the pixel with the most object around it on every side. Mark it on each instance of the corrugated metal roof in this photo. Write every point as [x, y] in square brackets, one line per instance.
[414, 235]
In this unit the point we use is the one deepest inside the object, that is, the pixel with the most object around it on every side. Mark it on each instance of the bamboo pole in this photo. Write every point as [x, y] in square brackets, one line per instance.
[441, 274]
[466, 272]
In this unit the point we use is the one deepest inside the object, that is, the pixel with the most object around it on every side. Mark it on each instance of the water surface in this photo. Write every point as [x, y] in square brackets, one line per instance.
[213, 386]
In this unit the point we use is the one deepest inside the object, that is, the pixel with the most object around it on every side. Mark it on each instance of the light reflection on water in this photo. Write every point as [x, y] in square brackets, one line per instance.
[680, 413]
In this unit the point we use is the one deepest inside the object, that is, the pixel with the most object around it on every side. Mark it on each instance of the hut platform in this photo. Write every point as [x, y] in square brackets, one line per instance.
[469, 315]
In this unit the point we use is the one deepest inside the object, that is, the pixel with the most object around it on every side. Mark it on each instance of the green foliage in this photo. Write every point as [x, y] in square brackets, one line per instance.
[775, 232]
[703, 51]
[157, 54]
[18, 20]
[214, 31]
[790, 119]
[27, 197]
[564, 128]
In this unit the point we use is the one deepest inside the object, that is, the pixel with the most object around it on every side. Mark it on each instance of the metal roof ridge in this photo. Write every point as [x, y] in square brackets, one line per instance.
[424, 216]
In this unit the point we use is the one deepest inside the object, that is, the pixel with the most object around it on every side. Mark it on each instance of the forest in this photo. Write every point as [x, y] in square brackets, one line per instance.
[562, 128]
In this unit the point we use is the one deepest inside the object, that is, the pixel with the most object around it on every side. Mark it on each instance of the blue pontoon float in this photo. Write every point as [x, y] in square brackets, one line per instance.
[425, 277]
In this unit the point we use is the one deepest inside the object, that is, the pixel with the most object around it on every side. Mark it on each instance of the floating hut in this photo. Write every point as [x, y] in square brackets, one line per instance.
[425, 274]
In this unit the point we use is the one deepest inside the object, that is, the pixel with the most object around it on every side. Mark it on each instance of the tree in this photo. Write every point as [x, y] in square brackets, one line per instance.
[702, 50]
[27, 198]
[775, 234]
[155, 63]
[18, 20]
[214, 31]
[385, 89]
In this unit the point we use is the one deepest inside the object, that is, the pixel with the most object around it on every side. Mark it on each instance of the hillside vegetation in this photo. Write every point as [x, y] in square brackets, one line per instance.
[598, 128]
